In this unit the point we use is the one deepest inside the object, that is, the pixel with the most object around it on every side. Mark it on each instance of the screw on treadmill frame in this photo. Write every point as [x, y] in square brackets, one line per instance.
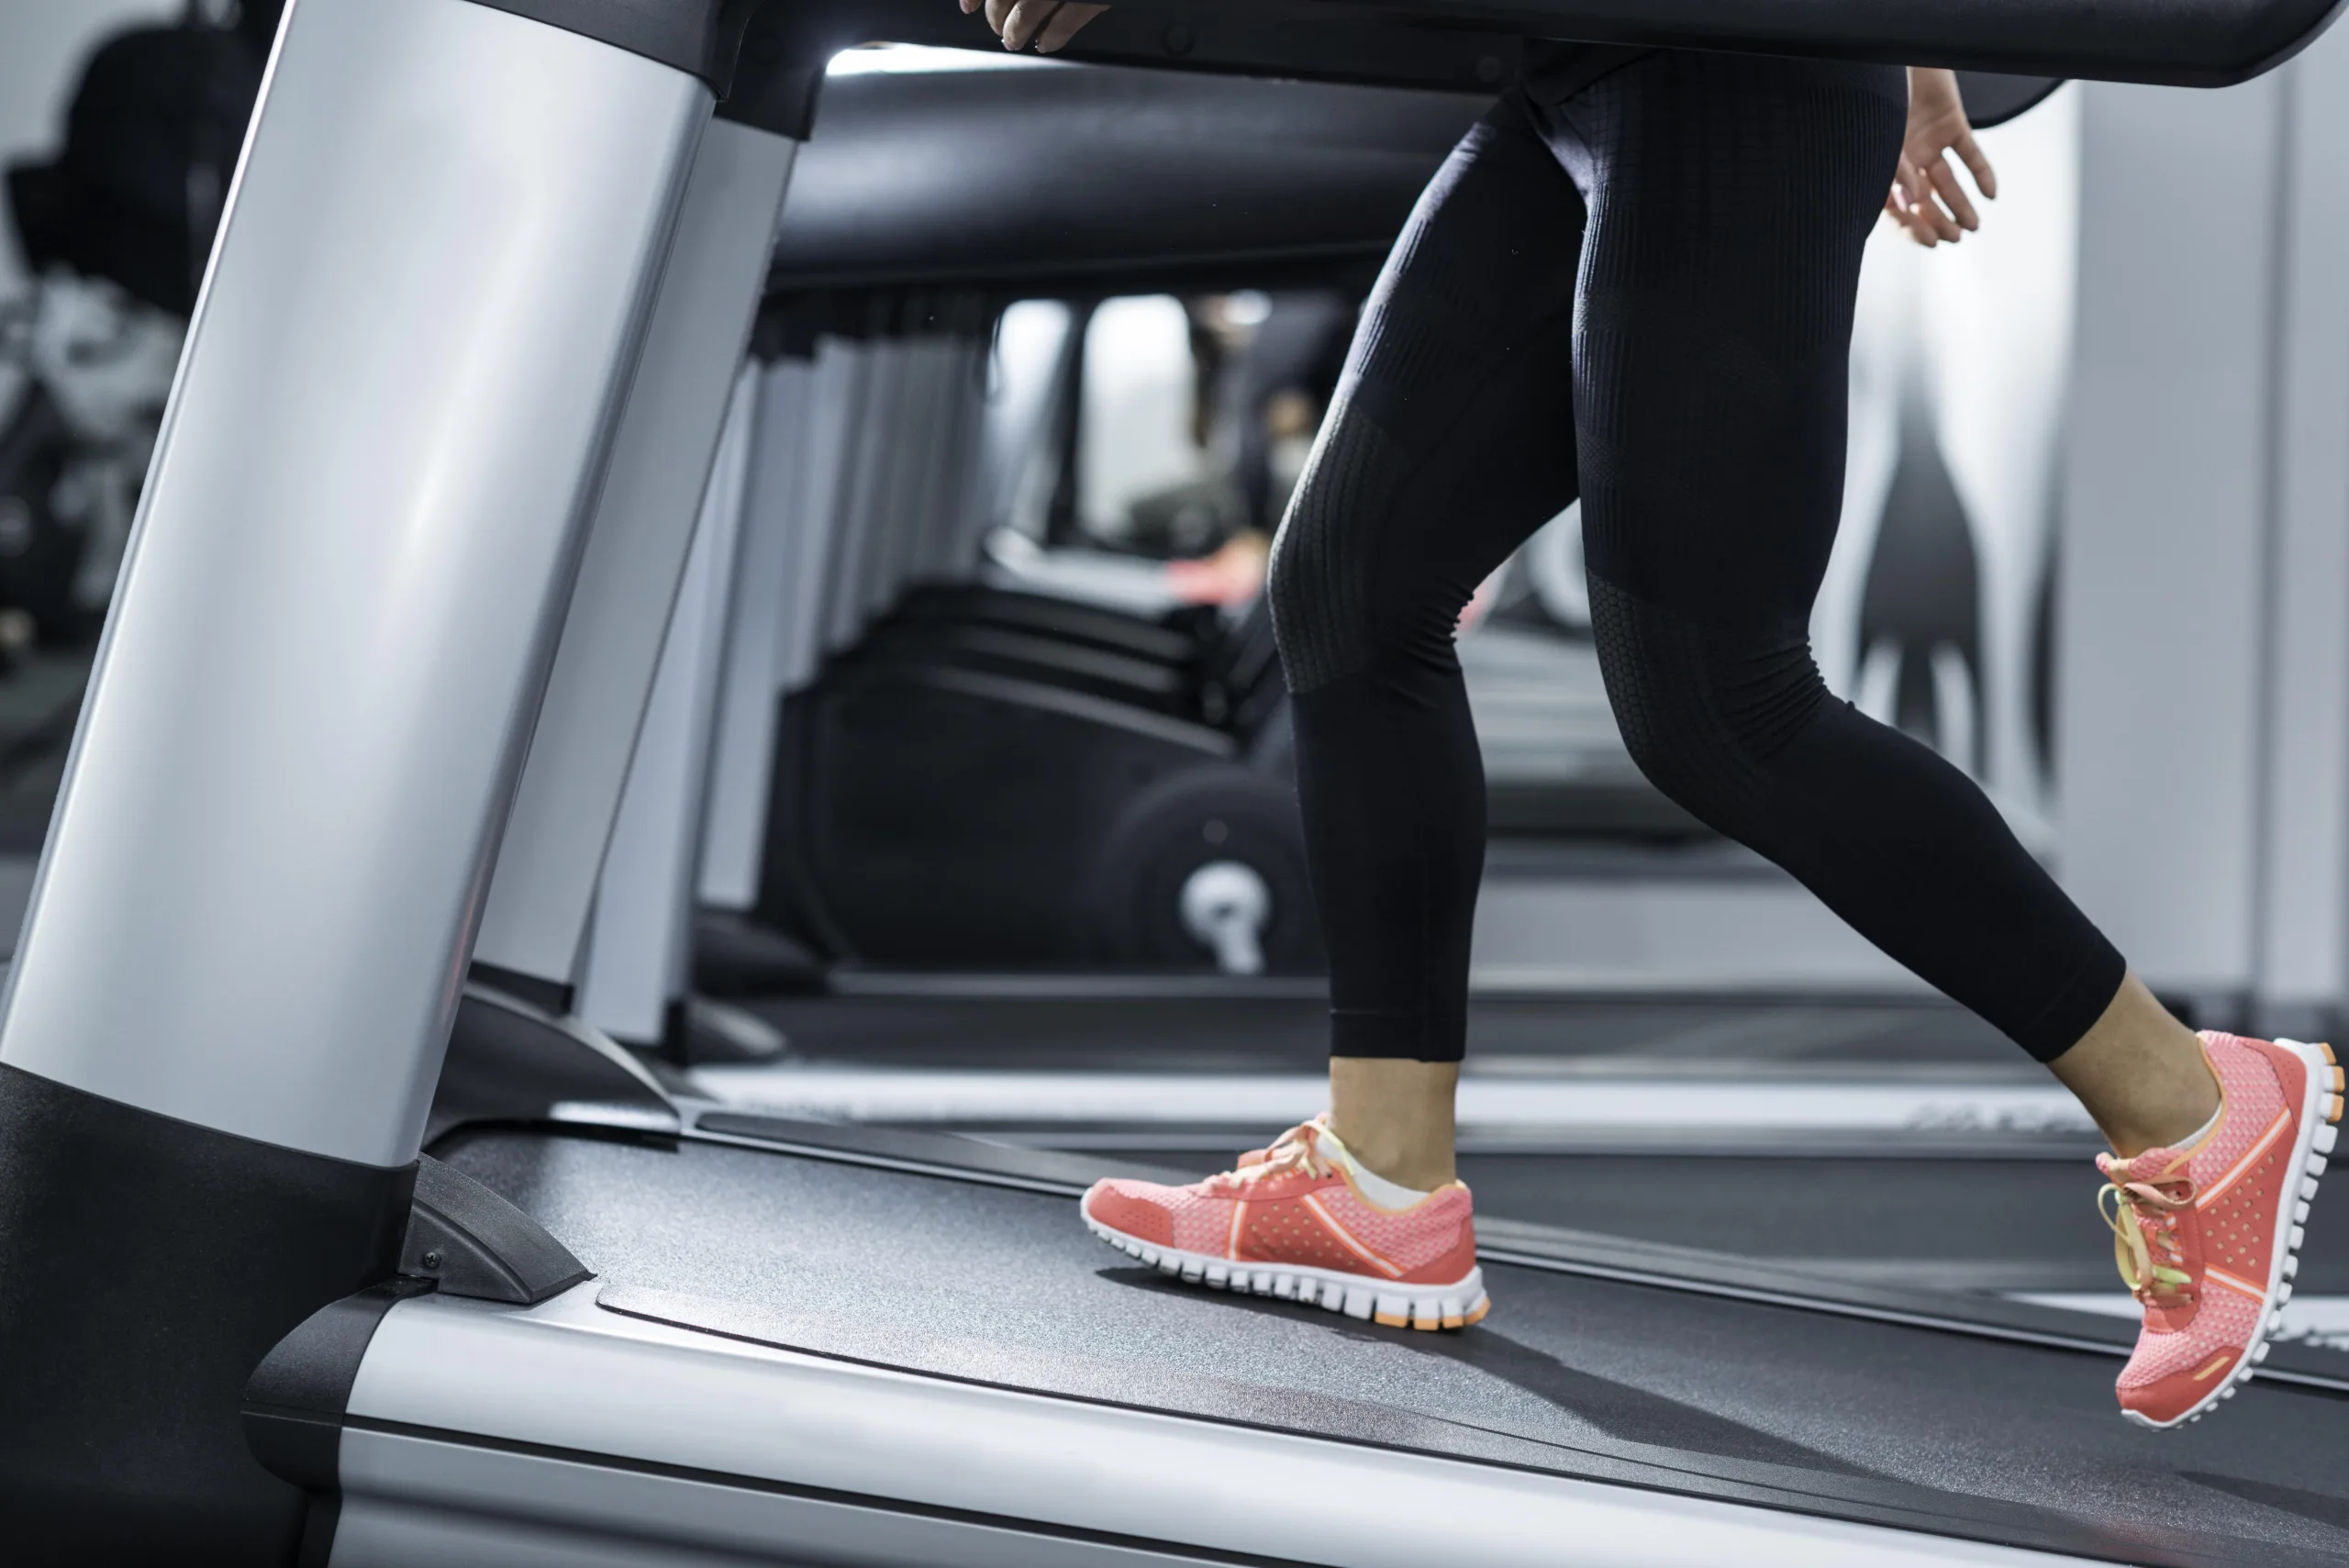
[432, 1260]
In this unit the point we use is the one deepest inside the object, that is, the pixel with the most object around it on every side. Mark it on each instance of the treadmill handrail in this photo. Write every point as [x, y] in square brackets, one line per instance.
[2205, 43]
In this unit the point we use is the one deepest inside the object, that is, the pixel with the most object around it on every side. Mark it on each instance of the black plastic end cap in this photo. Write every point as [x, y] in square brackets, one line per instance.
[469, 1241]
[295, 1400]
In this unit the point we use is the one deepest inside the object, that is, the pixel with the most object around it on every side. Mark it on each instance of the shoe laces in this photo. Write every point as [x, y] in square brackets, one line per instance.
[1297, 1150]
[2143, 1217]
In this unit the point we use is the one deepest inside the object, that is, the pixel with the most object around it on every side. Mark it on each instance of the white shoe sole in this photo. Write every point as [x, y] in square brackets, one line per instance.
[2320, 1110]
[1454, 1305]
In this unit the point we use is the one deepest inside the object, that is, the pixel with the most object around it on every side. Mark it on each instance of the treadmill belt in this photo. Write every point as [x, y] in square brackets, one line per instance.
[1632, 1383]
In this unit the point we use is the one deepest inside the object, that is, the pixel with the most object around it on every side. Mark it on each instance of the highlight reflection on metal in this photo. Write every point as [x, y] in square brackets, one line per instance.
[1488, 1103]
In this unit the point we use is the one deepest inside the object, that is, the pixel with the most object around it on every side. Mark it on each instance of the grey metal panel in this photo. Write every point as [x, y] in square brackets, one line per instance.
[934, 484]
[835, 416]
[2303, 959]
[535, 921]
[922, 441]
[640, 949]
[799, 526]
[375, 1532]
[896, 460]
[742, 749]
[2163, 586]
[454, 1507]
[863, 488]
[894, 449]
[342, 597]
[806, 533]
[670, 1397]
[949, 545]
[929, 462]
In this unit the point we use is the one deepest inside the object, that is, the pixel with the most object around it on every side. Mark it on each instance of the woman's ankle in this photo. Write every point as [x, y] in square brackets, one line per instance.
[2141, 1074]
[1394, 1117]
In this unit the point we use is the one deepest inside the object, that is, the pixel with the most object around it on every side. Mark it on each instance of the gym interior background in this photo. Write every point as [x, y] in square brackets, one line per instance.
[960, 802]
[2092, 546]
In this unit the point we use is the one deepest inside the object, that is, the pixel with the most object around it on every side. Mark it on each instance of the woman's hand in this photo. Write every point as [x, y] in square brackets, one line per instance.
[1927, 199]
[1047, 24]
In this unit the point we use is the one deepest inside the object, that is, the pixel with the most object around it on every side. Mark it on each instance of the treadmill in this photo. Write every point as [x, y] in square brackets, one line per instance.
[455, 381]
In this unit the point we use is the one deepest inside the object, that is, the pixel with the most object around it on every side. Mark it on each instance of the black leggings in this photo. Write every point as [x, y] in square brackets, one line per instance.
[1642, 294]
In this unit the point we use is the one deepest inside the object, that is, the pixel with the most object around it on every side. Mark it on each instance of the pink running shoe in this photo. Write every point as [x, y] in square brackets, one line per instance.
[2206, 1234]
[1293, 1222]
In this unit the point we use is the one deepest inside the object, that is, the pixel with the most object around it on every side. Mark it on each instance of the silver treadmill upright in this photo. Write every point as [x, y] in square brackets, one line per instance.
[234, 1311]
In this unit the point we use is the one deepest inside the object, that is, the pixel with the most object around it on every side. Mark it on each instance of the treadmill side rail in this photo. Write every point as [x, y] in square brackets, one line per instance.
[467, 1424]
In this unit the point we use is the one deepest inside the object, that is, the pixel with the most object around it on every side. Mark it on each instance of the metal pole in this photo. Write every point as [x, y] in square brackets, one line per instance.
[307, 713]
[640, 953]
[536, 920]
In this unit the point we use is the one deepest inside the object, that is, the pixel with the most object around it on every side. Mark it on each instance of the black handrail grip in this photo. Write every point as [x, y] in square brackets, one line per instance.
[2203, 43]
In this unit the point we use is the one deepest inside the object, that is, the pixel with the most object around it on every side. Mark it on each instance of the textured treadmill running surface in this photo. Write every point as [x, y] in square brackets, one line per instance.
[1005, 1286]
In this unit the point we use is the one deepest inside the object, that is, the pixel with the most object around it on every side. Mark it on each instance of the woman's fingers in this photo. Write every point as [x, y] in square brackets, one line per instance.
[1065, 24]
[1026, 20]
[1897, 209]
[1929, 211]
[1952, 191]
[1903, 209]
[1047, 24]
[1917, 212]
[1985, 179]
[1896, 201]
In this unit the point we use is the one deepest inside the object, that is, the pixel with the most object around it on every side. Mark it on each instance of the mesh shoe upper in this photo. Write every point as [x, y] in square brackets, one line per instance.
[1296, 1207]
[2196, 1229]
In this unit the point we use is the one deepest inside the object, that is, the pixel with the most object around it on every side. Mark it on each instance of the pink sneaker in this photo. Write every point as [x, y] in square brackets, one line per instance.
[1293, 1222]
[2206, 1235]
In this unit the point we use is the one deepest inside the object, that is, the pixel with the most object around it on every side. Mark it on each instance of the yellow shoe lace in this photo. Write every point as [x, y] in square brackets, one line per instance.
[1296, 1149]
[2143, 1218]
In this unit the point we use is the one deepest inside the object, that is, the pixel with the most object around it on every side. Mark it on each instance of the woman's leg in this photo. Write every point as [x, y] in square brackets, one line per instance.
[1730, 201]
[1450, 441]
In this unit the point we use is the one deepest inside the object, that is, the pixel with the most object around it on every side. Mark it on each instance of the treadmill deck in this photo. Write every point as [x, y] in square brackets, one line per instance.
[1609, 1381]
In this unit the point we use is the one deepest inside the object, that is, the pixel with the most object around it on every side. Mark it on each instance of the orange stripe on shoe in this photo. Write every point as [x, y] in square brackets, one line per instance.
[2236, 1172]
[1345, 1238]
[2233, 1282]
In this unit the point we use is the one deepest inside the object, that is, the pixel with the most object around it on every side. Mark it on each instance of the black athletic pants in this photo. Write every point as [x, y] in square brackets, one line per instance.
[1639, 292]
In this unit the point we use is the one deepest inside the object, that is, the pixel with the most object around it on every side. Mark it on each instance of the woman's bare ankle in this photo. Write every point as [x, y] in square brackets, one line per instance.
[1396, 1116]
[2141, 1074]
